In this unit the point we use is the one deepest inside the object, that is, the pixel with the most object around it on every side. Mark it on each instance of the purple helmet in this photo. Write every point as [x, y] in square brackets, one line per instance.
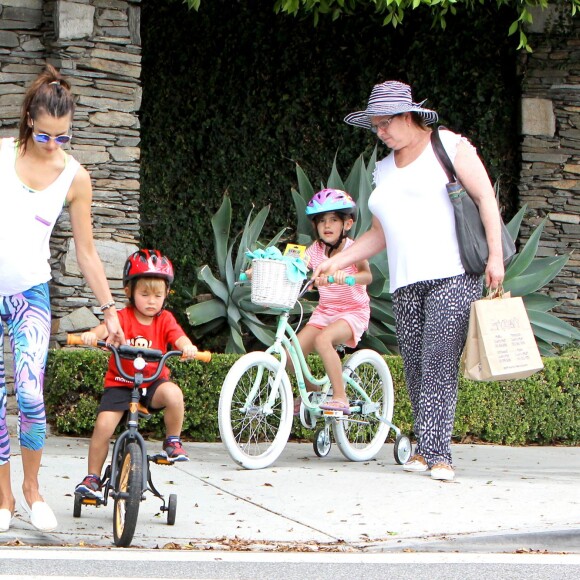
[331, 200]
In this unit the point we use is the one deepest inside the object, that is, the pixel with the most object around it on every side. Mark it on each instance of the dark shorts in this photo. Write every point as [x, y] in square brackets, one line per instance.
[118, 398]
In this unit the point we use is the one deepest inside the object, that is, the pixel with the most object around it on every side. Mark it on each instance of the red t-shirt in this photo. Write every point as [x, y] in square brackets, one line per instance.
[162, 331]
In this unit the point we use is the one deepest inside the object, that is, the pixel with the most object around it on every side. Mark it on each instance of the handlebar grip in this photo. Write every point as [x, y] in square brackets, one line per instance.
[349, 280]
[203, 356]
[243, 277]
[74, 339]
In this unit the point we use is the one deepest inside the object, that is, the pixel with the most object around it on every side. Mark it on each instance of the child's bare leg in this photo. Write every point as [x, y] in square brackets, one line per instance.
[327, 339]
[306, 338]
[168, 396]
[105, 426]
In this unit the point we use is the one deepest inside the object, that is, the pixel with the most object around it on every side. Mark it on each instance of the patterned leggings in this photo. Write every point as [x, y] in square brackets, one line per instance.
[431, 320]
[27, 316]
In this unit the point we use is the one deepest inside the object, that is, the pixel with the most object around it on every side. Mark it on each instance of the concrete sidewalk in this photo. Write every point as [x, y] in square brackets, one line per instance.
[504, 499]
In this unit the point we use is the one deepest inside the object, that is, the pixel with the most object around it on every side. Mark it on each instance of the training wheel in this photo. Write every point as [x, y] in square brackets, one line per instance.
[402, 449]
[77, 506]
[322, 442]
[171, 509]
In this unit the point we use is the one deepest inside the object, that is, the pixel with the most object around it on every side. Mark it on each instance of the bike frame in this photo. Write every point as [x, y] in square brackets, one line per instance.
[131, 433]
[286, 344]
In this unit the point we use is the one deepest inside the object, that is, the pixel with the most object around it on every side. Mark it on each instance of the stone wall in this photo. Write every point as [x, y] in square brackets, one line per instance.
[96, 44]
[550, 176]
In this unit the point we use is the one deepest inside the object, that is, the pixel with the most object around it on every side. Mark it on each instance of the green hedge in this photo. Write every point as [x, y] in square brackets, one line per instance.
[235, 95]
[543, 409]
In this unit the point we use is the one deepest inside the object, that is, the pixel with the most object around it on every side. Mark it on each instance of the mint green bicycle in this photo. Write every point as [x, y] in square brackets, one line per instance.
[256, 403]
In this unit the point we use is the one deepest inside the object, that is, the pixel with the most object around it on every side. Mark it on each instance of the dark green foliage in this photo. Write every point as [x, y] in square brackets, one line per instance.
[235, 95]
[72, 389]
[543, 409]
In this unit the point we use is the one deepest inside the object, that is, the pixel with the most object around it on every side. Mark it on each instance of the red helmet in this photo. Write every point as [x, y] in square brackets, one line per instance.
[150, 263]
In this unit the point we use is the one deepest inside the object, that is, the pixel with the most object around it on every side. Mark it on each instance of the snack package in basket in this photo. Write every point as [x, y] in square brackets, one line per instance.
[296, 251]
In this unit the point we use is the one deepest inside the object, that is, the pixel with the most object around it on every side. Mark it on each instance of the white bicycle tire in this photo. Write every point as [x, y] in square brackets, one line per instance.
[248, 450]
[350, 436]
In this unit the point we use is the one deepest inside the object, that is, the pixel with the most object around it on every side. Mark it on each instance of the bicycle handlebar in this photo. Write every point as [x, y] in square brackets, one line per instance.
[349, 280]
[133, 352]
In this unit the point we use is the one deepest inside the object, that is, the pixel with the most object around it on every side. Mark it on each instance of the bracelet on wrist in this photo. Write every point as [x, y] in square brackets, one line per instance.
[107, 305]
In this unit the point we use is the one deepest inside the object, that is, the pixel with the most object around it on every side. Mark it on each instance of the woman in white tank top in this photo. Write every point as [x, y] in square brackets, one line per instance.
[36, 178]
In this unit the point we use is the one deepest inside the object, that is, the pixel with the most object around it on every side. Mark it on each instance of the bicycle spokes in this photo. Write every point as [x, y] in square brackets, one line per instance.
[257, 420]
[255, 412]
[369, 389]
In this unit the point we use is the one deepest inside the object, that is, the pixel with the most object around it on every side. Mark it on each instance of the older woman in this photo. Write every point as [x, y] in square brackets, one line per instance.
[413, 218]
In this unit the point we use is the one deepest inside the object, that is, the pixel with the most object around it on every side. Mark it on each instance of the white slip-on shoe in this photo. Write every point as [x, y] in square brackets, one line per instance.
[442, 472]
[41, 516]
[5, 519]
[417, 463]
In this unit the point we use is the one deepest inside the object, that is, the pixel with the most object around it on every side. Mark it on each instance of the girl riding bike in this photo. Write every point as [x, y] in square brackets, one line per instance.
[343, 310]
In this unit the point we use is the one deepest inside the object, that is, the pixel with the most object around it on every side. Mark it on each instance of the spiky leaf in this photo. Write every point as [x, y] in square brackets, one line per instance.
[204, 312]
[221, 222]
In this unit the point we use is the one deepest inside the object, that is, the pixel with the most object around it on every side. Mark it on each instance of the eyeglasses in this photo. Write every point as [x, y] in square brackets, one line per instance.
[44, 138]
[382, 124]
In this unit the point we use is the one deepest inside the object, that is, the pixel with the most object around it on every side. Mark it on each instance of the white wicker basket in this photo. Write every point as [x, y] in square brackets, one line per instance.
[270, 284]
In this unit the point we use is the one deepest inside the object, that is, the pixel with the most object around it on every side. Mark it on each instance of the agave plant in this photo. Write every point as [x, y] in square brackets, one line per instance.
[230, 303]
[525, 275]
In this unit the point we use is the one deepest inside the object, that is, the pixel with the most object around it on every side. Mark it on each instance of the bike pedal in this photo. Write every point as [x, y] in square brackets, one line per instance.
[330, 413]
[90, 501]
[160, 460]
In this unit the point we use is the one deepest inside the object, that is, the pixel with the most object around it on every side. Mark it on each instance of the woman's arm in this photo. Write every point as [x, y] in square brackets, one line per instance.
[79, 198]
[473, 176]
[365, 246]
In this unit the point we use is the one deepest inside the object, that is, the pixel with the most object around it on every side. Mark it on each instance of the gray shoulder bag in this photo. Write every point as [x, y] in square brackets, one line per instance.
[468, 226]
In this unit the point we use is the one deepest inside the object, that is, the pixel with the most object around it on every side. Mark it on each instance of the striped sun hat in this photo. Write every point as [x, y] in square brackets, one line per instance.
[390, 98]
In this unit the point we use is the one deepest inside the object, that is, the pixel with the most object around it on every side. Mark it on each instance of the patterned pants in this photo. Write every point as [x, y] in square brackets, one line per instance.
[431, 319]
[27, 316]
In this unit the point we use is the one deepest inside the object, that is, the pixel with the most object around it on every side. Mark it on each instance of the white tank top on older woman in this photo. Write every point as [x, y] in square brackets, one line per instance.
[414, 210]
[27, 218]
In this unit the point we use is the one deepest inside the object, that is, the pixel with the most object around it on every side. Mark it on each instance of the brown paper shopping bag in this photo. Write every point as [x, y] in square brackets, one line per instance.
[500, 341]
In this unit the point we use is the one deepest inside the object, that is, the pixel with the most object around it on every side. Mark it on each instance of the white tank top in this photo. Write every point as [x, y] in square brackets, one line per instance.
[414, 210]
[27, 218]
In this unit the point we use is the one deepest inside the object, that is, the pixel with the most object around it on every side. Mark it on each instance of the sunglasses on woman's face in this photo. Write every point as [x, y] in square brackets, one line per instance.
[44, 138]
